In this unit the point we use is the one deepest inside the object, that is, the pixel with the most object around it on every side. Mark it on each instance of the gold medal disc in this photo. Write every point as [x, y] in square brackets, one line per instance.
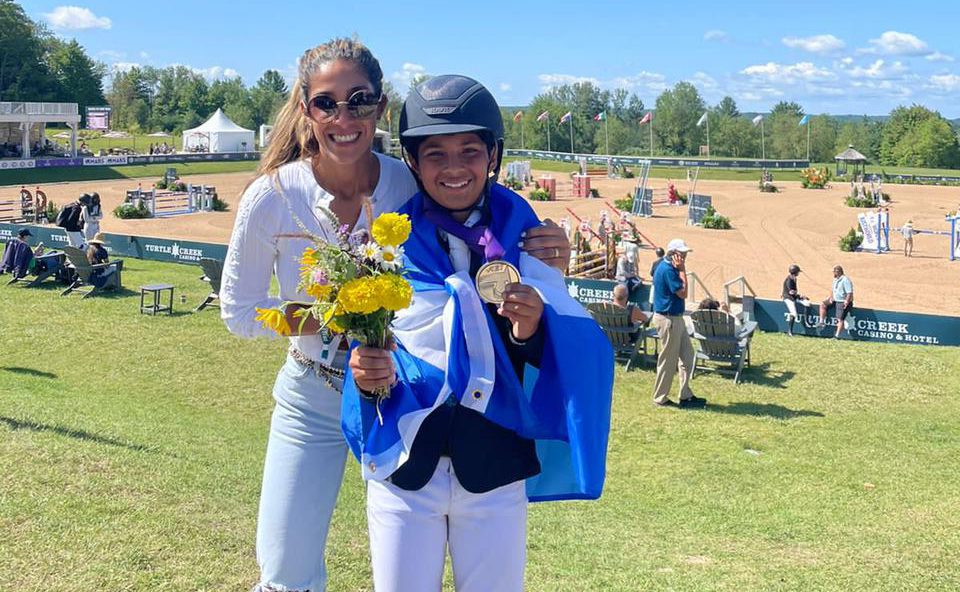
[492, 280]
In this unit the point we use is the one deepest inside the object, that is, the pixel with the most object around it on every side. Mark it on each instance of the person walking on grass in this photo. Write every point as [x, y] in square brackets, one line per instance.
[676, 350]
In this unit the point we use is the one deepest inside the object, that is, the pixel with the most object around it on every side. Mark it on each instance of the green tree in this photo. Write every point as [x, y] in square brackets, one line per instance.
[235, 100]
[24, 75]
[677, 112]
[727, 107]
[932, 143]
[80, 79]
[129, 97]
[787, 108]
[733, 136]
[900, 124]
[268, 95]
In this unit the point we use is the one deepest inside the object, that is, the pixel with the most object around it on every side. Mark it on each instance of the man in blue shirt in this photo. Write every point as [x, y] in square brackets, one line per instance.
[841, 297]
[676, 350]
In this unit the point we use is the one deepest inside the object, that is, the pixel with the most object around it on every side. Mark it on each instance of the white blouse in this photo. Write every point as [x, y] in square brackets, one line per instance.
[257, 252]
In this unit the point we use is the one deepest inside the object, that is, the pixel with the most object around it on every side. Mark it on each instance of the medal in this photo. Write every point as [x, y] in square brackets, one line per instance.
[492, 279]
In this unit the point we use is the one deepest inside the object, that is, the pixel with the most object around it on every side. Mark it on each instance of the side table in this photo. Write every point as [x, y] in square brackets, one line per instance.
[156, 290]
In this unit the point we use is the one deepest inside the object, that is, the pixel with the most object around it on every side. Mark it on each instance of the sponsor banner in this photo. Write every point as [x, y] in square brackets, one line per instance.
[122, 245]
[677, 162]
[193, 157]
[26, 163]
[104, 160]
[863, 324]
[585, 291]
[59, 162]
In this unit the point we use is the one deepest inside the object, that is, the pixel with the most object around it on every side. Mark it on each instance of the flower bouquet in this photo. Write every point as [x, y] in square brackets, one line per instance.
[356, 281]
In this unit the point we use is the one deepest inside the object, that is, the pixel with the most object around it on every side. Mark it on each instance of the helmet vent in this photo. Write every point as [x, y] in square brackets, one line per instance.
[445, 87]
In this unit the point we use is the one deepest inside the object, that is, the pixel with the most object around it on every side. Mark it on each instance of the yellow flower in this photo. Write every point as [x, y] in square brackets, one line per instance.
[391, 230]
[309, 258]
[319, 291]
[395, 291]
[359, 296]
[274, 319]
[329, 319]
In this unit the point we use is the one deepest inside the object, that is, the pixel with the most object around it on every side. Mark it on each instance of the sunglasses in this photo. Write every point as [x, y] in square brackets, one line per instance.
[360, 105]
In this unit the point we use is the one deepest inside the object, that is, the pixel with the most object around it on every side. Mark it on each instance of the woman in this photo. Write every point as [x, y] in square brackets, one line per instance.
[91, 213]
[319, 155]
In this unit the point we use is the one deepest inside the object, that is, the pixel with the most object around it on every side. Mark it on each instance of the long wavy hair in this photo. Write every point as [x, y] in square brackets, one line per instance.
[292, 137]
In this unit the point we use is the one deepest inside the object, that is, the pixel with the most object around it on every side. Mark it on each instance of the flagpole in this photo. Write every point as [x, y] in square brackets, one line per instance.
[651, 137]
[708, 136]
[606, 138]
[572, 151]
[763, 147]
[808, 141]
[522, 146]
[548, 134]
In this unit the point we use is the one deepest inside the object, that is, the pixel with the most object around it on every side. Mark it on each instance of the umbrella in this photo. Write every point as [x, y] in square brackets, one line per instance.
[158, 135]
[116, 135]
[62, 136]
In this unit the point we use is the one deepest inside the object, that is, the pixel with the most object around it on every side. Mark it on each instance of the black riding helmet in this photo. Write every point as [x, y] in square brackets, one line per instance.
[451, 104]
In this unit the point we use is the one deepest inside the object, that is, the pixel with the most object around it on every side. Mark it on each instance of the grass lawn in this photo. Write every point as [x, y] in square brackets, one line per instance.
[140, 142]
[132, 448]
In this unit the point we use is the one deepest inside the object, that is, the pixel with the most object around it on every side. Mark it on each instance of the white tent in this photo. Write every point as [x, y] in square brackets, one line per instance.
[218, 134]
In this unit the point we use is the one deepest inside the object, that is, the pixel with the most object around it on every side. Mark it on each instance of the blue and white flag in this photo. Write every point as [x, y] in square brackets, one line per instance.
[804, 120]
[447, 344]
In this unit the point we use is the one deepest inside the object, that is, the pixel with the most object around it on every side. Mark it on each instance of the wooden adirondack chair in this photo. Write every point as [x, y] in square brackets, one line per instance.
[84, 270]
[52, 266]
[212, 270]
[627, 338]
[721, 342]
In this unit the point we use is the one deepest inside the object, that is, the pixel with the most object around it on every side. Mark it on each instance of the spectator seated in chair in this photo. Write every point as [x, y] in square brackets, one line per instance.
[620, 295]
[96, 254]
[18, 256]
[627, 270]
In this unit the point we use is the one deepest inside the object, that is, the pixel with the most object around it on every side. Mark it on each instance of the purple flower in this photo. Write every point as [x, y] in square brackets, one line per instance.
[319, 277]
[359, 237]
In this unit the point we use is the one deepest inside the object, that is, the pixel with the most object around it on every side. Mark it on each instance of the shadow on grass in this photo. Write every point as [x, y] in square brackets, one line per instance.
[16, 424]
[28, 371]
[762, 410]
[761, 375]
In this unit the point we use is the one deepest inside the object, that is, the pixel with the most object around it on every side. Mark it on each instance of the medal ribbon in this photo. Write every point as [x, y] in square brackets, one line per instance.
[478, 238]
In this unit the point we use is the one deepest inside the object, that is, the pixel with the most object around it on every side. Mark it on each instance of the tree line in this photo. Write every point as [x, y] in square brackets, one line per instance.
[909, 136]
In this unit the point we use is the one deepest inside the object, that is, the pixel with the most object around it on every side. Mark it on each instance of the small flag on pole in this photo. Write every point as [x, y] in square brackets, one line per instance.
[647, 118]
[804, 120]
[702, 119]
[543, 116]
[602, 116]
[757, 119]
[566, 117]
[517, 116]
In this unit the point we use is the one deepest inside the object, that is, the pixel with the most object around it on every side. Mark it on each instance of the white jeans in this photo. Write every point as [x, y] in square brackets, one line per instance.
[791, 307]
[410, 530]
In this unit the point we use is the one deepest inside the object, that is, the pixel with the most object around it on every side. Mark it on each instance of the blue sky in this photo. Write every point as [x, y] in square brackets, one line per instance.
[831, 57]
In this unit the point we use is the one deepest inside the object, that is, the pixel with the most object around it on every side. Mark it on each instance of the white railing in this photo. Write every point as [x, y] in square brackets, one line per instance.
[22, 108]
[739, 292]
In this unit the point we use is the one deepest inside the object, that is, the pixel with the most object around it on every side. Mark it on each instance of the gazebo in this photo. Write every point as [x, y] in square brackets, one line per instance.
[218, 134]
[851, 157]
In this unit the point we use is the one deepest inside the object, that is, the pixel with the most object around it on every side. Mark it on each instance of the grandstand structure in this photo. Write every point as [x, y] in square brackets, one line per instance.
[22, 126]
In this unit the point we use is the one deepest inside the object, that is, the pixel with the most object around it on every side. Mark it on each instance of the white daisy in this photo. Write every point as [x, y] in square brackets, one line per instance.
[370, 250]
[390, 258]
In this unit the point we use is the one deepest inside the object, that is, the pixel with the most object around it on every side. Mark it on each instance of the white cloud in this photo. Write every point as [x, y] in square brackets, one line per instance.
[878, 70]
[821, 44]
[939, 57]
[643, 80]
[551, 80]
[945, 82]
[215, 72]
[716, 35]
[111, 55]
[505, 87]
[405, 76]
[76, 18]
[703, 80]
[787, 73]
[896, 43]
[144, 55]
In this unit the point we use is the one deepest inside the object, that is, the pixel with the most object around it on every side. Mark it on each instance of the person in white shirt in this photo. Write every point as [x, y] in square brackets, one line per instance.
[91, 213]
[319, 156]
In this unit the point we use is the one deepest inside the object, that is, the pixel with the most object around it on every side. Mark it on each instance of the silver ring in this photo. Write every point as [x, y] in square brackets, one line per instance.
[556, 252]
